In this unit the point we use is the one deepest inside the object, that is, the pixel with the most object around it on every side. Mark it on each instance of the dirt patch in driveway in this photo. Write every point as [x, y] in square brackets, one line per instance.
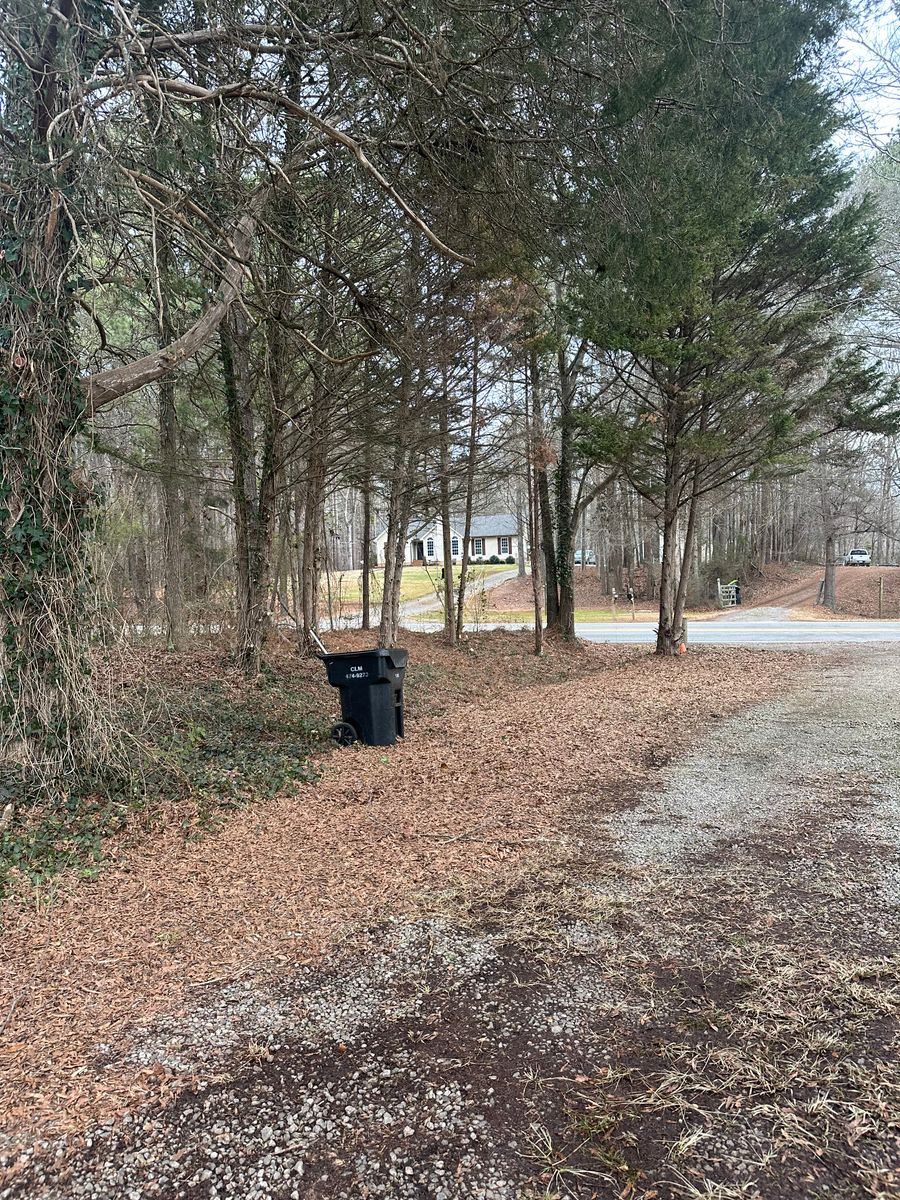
[858, 590]
[796, 586]
[785, 585]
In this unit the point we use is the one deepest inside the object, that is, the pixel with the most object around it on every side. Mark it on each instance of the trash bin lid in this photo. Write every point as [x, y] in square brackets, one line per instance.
[379, 664]
[397, 657]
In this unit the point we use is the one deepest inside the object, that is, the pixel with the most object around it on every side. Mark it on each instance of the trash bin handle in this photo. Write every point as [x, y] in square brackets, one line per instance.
[315, 637]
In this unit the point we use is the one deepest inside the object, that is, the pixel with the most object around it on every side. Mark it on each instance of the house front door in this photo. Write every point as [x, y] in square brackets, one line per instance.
[418, 551]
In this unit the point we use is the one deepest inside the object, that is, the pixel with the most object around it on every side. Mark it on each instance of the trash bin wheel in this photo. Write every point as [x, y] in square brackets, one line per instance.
[343, 734]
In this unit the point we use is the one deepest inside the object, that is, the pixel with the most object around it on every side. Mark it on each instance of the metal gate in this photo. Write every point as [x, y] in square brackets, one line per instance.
[727, 594]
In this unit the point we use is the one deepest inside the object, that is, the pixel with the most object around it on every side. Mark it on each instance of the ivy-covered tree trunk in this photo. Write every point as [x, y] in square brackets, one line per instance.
[399, 506]
[50, 723]
[47, 711]
[533, 525]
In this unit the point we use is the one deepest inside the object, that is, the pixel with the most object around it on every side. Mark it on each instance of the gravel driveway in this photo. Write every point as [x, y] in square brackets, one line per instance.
[698, 998]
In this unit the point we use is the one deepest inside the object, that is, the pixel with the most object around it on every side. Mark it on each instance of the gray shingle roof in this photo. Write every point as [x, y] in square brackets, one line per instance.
[492, 525]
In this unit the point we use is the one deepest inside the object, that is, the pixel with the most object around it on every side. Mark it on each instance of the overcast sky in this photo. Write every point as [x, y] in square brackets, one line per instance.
[870, 66]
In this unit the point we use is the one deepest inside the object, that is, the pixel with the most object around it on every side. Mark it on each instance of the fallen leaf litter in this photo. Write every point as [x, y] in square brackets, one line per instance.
[474, 794]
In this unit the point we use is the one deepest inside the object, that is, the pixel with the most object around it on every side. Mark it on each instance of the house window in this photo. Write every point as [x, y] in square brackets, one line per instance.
[478, 546]
[504, 545]
[454, 547]
[429, 548]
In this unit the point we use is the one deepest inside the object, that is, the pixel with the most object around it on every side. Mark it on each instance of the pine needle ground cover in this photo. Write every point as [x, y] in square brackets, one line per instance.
[692, 993]
[502, 749]
[206, 742]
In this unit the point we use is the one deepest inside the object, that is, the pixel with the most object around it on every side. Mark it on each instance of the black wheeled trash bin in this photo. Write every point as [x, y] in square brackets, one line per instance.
[371, 687]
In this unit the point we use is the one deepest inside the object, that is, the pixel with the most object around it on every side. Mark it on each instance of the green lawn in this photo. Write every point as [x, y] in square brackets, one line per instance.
[523, 616]
[623, 613]
[418, 582]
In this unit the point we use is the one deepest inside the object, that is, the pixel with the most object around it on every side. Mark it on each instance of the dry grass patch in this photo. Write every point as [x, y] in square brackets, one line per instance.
[757, 1058]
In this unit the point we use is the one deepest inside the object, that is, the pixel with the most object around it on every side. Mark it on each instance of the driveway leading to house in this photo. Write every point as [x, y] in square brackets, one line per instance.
[411, 608]
[697, 995]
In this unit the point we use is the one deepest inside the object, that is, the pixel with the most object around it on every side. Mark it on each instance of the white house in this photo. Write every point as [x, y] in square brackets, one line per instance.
[497, 534]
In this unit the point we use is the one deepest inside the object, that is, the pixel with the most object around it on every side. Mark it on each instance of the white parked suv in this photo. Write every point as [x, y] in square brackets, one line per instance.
[858, 558]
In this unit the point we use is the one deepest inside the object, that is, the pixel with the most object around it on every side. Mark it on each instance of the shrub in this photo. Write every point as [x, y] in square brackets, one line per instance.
[510, 561]
[494, 560]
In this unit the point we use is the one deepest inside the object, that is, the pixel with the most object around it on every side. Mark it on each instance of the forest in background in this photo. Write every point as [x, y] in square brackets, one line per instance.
[276, 276]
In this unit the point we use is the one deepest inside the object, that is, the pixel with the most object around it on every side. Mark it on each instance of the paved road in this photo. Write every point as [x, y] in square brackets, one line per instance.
[749, 630]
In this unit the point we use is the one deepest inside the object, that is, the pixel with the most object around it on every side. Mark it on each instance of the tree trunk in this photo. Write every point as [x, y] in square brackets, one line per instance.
[173, 573]
[670, 631]
[565, 551]
[446, 532]
[313, 516]
[405, 513]
[399, 509]
[829, 595]
[392, 546]
[139, 575]
[521, 509]
[254, 498]
[548, 543]
[48, 709]
[470, 478]
[241, 436]
[194, 522]
[320, 414]
[172, 566]
[533, 523]
[328, 566]
[367, 554]
[668, 634]
[540, 462]
[53, 726]
[686, 557]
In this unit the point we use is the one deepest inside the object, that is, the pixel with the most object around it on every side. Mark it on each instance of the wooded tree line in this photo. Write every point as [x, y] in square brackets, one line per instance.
[261, 265]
